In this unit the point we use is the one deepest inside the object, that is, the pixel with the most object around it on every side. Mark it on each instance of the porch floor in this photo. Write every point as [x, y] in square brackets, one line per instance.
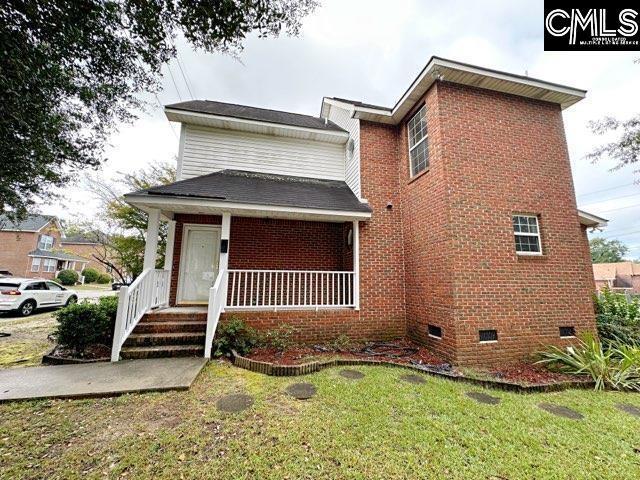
[181, 310]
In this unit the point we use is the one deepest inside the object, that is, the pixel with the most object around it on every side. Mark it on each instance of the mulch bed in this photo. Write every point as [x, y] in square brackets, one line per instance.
[63, 356]
[530, 374]
[401, 351]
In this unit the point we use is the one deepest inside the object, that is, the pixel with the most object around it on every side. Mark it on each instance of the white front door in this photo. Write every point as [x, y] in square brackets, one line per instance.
[199, 258]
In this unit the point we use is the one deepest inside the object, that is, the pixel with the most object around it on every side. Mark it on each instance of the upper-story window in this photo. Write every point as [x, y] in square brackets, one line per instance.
[45, 242]
[527, 232]
[418, 141]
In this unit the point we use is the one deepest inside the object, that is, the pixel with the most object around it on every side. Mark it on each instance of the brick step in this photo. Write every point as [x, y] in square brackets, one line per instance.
[156, 339]
[170, 327]
[162, 351]
[174, 317]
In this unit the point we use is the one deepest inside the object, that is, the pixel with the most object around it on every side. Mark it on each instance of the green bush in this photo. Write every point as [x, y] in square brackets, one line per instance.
[104, 278]
[68, 277]
[109, 305]
[90, 275]
[234, 335]
[280, 338]
[615, 366]
[81, 325]
[617, 318]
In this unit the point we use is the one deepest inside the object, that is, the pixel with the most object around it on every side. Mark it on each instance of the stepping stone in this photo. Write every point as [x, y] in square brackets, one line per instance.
[483, 398]
[351, 374]
[415, 379]
[560, 411]
[628, 408]
[234, 403]
[301, 391]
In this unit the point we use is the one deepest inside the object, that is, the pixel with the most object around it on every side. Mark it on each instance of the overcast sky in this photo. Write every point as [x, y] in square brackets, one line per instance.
[370, 51]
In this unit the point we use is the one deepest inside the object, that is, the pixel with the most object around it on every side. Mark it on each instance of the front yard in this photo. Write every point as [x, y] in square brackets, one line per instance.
[28, 341]
[375, 427]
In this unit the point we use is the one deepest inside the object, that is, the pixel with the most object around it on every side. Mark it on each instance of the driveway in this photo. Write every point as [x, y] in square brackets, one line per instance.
[94, 293]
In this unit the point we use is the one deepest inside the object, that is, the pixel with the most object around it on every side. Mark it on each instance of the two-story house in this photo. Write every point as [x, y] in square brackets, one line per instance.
[33, 248]
[449, 217]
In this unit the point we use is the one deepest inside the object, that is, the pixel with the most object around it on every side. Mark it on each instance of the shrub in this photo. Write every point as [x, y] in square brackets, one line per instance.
[104, 278]
[81, 325]
[280, 338]
[90, 275]
[234, 335]
[68, 277]
[617, 318]
[614, 366]
[109, 305]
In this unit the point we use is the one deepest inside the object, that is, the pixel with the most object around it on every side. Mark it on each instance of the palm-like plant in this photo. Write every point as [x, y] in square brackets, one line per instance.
[615, 366]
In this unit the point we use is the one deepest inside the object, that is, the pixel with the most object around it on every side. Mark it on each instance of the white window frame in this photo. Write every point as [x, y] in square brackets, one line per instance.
[527, 234]
[35, 264]
[46, 246]
[422, 111]
[49, 265]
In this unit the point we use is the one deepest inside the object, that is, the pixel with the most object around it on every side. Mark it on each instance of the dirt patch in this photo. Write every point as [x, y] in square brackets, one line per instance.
[415, 379]
[351, 374]
[628, 408]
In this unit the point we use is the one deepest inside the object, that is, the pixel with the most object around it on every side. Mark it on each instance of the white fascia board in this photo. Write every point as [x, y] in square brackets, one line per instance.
[165, 203]
[590, 220]
[173, 116]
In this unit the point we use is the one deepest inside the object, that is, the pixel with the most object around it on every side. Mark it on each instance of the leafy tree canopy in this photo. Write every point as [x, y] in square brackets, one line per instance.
[71, 70]
[607, 251]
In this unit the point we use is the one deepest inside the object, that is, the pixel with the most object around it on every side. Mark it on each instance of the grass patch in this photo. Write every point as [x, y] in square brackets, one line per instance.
[28, 341]
[376, 427]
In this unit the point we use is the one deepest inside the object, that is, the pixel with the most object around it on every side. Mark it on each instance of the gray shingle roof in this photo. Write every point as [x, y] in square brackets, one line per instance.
[79, 240]
[57, 254]
[254, 113]
[32, 223]
[239, 186]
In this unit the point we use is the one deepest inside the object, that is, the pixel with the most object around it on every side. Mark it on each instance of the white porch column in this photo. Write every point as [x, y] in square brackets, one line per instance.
[151, 243]
[224, 257]
[356, 264]
[168, 251]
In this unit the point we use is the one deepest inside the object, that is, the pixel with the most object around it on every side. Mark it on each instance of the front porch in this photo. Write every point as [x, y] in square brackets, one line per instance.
[256, 261]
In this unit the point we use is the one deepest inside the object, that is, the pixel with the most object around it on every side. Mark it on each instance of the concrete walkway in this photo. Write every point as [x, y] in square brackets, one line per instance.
[99, 379]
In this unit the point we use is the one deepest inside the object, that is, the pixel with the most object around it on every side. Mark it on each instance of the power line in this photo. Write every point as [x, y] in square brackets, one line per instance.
[174, 81]
[612, 198]
[162, 108]
[184, 77]
[606, 189]
[620, 208]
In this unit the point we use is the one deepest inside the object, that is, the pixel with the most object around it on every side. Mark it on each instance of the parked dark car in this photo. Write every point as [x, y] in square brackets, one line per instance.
[117, 285]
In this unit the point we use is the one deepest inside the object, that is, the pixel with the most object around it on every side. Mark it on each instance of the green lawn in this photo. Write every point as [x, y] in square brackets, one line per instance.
[28, 341]
[377, 427]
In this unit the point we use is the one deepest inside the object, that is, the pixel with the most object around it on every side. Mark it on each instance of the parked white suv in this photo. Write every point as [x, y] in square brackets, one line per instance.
[27, 294]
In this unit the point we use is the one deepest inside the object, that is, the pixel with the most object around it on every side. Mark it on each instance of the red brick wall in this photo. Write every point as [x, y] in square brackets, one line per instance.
[493, 155]
[15, 247]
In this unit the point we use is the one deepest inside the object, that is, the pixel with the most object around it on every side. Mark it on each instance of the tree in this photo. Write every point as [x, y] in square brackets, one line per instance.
[122, 246]
[607, 251]
[625, 150]
[71, 70]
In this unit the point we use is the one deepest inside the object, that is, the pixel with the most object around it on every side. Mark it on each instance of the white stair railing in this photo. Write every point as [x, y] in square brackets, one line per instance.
[149, 290]
[260, 289]
[217, 301]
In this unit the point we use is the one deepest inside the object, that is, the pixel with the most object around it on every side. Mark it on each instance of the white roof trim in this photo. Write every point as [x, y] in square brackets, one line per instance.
[590, 220]
[177, 115]
[177, 204]
[461, 73]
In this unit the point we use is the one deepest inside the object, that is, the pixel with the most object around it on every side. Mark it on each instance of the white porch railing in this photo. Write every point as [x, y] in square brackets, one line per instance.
[217, 295]
[259, 289]
[149, 290]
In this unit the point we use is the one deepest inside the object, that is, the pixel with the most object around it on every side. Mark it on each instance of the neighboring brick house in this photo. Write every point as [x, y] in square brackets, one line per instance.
[450, 217]
[619, 276]
[87, 248]
[32, 248]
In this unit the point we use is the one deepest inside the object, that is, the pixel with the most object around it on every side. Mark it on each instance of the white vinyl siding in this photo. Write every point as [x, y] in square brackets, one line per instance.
[342, 118]
[208, 150]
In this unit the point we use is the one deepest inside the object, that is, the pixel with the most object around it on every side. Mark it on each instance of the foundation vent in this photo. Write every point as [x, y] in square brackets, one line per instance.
[488, 335]
[566, 332]
[434, 331]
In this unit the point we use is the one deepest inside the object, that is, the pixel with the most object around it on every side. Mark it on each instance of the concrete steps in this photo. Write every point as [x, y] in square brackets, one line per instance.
[167, 333]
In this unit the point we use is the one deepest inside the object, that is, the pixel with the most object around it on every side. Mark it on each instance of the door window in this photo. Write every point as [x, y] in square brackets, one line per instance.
[36, 286]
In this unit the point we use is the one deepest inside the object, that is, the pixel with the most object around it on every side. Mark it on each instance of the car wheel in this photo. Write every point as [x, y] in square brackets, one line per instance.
[72, 299]
[27, 308]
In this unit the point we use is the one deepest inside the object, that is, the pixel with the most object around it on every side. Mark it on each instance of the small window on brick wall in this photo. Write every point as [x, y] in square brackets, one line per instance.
[526, 230]
[488, 336]
[434, 331]
[566, 332]
[418, 141]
